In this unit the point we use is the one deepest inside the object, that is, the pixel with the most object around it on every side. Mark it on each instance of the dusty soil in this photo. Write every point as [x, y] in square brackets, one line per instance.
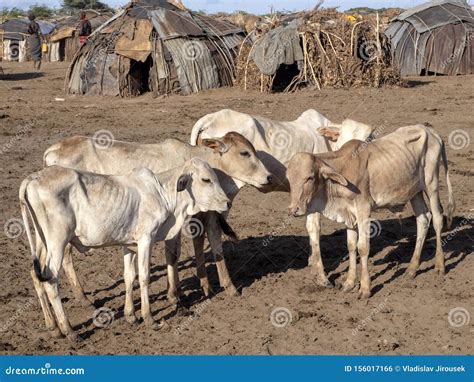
[269, 264]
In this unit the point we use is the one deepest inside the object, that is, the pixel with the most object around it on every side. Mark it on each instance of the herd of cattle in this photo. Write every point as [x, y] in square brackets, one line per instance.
[133, 195]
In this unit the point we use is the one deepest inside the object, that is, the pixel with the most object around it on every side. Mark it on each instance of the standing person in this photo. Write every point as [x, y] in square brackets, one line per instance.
[35, 41]
[85, 28]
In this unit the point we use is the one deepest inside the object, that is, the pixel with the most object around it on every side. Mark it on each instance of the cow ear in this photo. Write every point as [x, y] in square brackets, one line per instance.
[183, 182]
[330, 132]
[329, 173]
[216, 144]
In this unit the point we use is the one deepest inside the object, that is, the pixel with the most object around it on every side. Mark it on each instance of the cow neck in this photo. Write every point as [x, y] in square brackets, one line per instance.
[174, 200]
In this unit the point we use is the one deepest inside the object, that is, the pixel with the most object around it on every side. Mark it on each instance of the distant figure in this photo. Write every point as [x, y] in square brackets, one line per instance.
[35, 41]
[85, 28]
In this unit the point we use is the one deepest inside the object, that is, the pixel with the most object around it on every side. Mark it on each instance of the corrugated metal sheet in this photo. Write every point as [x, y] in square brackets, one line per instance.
[215, 27]
[194, 64]
[430, 4]
[233, 41]
[433, 38]
[435, 17]
[172, 24]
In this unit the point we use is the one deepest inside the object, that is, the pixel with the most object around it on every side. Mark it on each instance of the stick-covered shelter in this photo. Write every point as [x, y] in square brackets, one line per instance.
[434, 38]
[158, 46]
[322, 48]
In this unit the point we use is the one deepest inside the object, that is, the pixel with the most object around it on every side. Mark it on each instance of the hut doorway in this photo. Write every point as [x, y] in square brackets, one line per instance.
[139, 75]
[284, 76]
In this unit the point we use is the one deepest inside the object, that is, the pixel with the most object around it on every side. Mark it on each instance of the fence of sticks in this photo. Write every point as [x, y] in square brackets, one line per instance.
[339, 52]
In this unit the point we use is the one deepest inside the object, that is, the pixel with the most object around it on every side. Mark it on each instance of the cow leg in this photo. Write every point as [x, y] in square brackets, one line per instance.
[173, 253]
[198, 244]
[423, 217]
[129, 274]
[350, 282]
[50, 320]
[53, 266]
[433, 195]
[214, 233]
[363, 247]
[144, 249]
[71, 275]
[313, 225]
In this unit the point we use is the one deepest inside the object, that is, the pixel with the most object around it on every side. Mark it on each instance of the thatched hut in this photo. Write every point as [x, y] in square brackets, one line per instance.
[158, 46]
[63, 41]
[434, 38]
[14, 37]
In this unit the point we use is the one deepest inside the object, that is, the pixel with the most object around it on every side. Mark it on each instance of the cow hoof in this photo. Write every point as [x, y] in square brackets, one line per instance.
[182, 311]
[348, 286]
[131, 319]
[49, 334]
[207, 291]
[154, 325]
[410, 273]
[74, 338]
[232, 291]
[325, 283]
[364, 294]
[55, 333]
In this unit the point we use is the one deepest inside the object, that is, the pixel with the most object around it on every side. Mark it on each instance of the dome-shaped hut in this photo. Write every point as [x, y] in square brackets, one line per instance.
[158, 46]
[434, 38]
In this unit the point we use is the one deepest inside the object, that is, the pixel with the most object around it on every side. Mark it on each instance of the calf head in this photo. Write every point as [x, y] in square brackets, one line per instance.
[307, 175]
[201, 182]
[239, 160]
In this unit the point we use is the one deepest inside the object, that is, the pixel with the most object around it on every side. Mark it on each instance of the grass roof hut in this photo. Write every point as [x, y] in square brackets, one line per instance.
[63, 41]
[158, 46]
[434, 38]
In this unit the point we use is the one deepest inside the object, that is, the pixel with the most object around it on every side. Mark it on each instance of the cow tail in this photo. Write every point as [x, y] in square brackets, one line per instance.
[227, 229]
[451, 202]
[25, 210]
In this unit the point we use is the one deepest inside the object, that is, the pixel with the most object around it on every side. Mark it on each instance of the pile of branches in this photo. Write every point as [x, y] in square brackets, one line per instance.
[339, 52]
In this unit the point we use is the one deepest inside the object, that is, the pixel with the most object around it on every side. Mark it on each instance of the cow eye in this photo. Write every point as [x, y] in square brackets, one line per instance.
[205, 180]
[245, 154]
[310, 179]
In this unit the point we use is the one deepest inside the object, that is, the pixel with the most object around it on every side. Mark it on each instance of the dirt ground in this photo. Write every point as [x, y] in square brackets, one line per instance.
[429, 315]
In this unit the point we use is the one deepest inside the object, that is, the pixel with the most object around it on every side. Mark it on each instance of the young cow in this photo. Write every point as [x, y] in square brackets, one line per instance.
[89, 210]
[276, 142]
[347, 185]
[232, 157]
